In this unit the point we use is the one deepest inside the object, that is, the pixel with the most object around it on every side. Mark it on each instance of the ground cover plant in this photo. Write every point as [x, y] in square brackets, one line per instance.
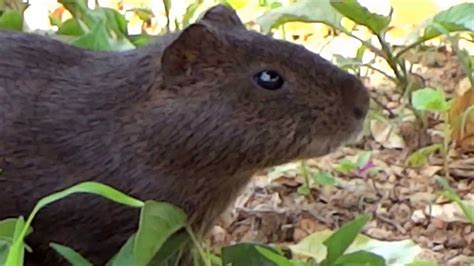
[402, 196]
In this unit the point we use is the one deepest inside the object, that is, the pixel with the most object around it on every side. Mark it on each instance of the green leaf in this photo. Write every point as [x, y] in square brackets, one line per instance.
[140, 39]
[304, 11]
[190, 11]
[70, 255]
[420, 157]
[361, 258]
[144, 14]
[113, 19]
[11, 20]
[324, 178]
[304, 190]
[451, 194]
[346, 166]
[168, 253]
[96, 39]
[428, 99]
[456, 18]
[361, 15]
[275, 257]
[246, 254]
[125, 255]
[363, 158]
[343, 238]
[17, 249]
[8, 227]
[158, 221]
[72, 27]
[108, 192]
[394, 252]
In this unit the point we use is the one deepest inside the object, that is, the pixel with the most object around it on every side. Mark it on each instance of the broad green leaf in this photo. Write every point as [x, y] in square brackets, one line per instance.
[125, 255]
[7, 232]
[420, 157]
[394, 252]
[11, 20]
[324, 178]
[457, 18]
[158, 221]
[275, 257]
[97, 39]
[74, 258]
[17, 248]
[245, 254]
[428, 99]
[312, 245]
[121, 44]
[304, 11]
[361, 15]
[346, 166]
[170, 249]
[304, 190]
[362, 258]
[363, 158]
[78, 8]
[338, 242]
[112, 18]
[4, 248]
[71, 26]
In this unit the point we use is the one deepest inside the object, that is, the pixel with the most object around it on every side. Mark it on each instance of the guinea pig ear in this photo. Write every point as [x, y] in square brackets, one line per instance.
[222, 17]
[195, 43]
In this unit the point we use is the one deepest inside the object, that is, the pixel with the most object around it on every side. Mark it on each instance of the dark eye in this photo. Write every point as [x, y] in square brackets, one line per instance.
[269, 79]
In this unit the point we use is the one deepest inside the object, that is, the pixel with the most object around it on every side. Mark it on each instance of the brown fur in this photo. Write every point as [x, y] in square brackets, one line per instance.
[181, 120]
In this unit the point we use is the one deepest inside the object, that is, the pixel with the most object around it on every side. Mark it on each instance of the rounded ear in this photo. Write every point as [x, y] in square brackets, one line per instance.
[195, 43]
[222, 17]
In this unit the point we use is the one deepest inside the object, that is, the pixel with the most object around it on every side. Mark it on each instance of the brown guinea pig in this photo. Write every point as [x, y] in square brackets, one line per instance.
[188, 120]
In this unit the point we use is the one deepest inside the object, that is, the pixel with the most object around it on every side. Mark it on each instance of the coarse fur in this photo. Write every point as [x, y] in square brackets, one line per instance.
[181, 120]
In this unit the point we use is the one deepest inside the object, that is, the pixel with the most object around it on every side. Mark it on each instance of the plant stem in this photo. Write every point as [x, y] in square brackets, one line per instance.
[407, 48]
[446, 141]
[198, 246]
[392, 62]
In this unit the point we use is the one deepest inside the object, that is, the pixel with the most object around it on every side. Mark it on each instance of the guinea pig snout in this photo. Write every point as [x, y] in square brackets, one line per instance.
[355, 98]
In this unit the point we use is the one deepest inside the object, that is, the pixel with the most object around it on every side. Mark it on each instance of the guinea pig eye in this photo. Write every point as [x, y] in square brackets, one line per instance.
[269, 79]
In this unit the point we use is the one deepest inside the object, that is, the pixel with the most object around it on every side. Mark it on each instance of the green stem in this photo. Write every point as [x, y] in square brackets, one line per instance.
[392, 62]
[407, 48]
[198, 246]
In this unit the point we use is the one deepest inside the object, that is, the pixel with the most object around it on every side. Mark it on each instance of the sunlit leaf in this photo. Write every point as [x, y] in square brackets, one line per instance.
[429, 99]
[11, 20]
[420, 157]
[361, 15]
[457, 18]
[304, 11]
[338, 242]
